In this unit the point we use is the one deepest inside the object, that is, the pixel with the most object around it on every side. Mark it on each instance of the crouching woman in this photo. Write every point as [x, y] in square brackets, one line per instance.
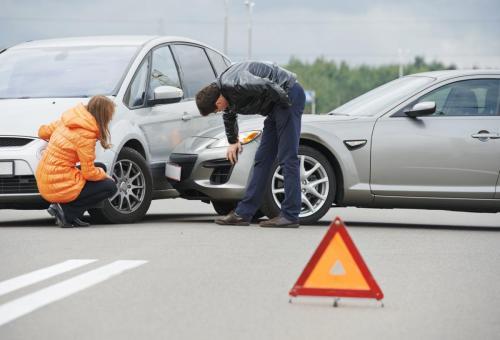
[72, 139]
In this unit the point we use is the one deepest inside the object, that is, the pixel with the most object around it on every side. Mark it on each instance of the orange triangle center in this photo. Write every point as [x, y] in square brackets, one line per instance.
[337, 269]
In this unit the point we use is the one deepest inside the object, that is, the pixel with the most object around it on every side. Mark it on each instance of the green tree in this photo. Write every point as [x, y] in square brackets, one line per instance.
[336, 83]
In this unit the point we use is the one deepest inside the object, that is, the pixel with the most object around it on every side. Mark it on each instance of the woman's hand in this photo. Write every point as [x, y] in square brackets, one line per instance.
[232, 152]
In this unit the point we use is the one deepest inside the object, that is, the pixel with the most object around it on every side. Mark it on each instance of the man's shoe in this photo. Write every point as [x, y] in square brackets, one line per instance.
[232, 219]
[279, 222]
[56, 210]
[79, 223]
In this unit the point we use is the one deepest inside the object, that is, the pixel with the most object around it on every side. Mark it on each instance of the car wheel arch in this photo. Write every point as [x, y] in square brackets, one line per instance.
[137, 146]
[333, 162]
[134, 142]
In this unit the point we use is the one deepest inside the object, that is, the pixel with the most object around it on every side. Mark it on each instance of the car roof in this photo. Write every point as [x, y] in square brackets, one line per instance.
[447, 74]
[111, 40]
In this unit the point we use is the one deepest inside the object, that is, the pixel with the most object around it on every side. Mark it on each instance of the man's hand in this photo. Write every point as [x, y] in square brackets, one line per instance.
[232, 152]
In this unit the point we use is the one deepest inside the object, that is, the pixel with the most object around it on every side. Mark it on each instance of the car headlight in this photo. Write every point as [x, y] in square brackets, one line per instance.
[244, 138]
[40, 151]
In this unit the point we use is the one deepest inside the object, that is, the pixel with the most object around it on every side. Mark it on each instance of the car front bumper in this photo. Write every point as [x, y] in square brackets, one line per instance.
[20, 190]
[207, 174]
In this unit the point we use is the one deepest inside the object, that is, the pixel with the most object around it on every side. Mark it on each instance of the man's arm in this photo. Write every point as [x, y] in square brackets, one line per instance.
[231, 126]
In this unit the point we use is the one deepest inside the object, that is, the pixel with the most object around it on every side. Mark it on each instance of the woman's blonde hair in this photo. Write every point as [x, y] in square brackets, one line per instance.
[102, 108]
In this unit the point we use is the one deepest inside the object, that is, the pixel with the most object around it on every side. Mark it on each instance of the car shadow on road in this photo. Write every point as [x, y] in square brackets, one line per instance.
[382, 224]
[179, 218]
[209, 218]
[193, 218]
[152, 218]
[37, 222]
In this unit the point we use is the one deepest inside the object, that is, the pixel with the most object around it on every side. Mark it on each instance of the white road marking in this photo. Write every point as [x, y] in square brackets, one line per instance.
[39, 275]
[29, 303]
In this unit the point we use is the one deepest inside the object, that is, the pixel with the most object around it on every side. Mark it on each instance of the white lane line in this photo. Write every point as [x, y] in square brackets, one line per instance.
[39, 275]
[29, 303]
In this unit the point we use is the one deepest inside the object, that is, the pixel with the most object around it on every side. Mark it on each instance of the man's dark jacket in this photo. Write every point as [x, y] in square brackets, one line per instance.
[253, 88]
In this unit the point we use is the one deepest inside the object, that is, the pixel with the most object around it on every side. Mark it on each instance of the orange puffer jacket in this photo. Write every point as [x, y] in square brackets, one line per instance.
[72, 139]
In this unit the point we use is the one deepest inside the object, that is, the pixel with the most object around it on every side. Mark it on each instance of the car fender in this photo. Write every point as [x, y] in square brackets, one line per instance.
[354, 163]
[121, 132]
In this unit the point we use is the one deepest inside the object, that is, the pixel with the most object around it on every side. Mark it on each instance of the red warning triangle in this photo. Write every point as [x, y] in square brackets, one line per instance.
[337, 269]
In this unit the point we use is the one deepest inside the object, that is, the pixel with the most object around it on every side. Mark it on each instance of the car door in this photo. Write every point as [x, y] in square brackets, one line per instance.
[163, 124]
[454, 153]
[196, 72]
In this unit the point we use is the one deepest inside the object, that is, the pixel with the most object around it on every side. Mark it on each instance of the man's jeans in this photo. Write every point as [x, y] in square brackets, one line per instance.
[280, 138]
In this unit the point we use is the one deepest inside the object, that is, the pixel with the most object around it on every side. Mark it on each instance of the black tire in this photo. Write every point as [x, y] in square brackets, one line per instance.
[271, 209]
[108, 213]
[224, 207]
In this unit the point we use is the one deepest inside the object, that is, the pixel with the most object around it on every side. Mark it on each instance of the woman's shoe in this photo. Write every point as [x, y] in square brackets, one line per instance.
[56, 210]
[52, 212]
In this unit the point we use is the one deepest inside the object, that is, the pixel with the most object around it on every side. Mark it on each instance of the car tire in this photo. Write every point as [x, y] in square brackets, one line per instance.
[131, 173]
[224, 207]
[326, 189]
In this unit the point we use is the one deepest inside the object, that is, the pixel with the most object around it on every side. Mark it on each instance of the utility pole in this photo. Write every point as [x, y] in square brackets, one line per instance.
[400, 57]
[226, 24]
[161, 25]
[249, 4]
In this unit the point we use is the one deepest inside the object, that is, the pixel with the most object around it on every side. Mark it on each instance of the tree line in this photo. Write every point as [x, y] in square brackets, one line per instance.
[336, 83]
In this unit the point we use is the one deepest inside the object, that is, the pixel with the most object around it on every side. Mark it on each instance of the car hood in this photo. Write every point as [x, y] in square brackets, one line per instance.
[23, 117]
[255, 123]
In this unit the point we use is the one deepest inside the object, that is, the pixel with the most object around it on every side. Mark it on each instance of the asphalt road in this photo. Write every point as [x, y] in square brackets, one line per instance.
[177, 275]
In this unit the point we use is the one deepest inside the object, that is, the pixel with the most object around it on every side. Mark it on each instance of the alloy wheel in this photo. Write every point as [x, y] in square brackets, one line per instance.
[131, 186]
[313, 182]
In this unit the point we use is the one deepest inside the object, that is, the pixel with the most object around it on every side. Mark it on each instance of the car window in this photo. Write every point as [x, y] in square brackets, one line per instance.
[196, 69]
[137, 91]
[218, 61]
[478, 97]
[163, 70]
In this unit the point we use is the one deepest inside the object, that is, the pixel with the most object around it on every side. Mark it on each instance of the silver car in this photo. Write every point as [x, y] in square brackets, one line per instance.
[151, 79]
[429, 140]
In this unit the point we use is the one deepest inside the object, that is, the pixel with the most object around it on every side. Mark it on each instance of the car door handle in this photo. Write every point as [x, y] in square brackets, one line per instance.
[485, 135]
[186, 116]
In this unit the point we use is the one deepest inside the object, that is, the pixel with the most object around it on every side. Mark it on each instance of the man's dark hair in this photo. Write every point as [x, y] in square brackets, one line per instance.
[206, 98]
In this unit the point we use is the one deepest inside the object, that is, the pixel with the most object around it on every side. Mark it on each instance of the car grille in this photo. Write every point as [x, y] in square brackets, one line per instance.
[14, 141]
[186, 161]
[18, 185]
[222, 170]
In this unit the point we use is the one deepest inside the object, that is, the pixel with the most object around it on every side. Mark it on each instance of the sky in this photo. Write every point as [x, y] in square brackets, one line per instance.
[461, 32]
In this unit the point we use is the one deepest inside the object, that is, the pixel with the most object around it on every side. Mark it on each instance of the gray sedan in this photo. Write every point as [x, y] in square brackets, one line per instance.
[429, 140]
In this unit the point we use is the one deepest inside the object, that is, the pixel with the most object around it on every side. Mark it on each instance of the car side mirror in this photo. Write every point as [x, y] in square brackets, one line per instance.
[166, 95]
[421, 109]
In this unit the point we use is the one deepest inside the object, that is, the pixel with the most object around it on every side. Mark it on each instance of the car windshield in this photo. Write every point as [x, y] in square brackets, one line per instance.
[383, 98]
[63, 71]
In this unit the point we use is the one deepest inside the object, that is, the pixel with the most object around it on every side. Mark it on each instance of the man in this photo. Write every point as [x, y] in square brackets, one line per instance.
[266, 89]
